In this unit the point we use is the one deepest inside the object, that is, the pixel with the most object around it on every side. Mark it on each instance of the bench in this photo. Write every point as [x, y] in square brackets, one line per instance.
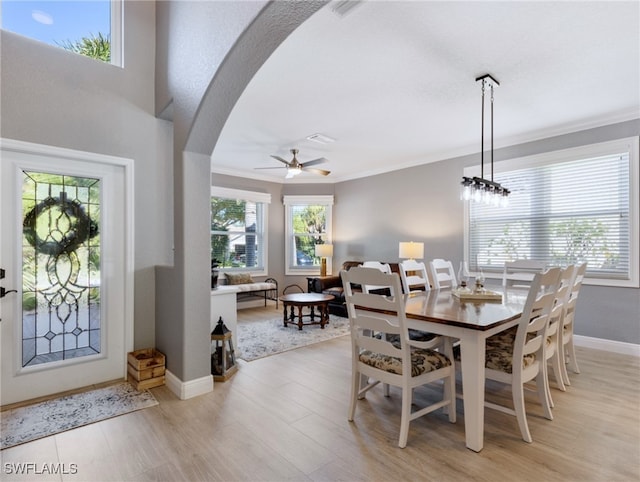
[267, 290]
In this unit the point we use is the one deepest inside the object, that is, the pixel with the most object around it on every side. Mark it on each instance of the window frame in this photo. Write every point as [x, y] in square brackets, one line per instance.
[251, 196]
[116, 35]
[295, 201]
[630, 145]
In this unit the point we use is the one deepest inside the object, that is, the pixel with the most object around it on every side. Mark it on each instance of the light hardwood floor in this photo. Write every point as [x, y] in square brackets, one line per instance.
[284, 418]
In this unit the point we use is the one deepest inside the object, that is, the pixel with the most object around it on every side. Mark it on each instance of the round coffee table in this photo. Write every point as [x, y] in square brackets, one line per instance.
[306, 300]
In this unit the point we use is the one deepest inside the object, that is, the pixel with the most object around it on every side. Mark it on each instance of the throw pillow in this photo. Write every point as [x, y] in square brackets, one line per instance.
[238, 279]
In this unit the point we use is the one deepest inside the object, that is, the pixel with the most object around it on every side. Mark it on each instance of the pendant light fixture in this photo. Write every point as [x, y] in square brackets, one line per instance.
[479, 189]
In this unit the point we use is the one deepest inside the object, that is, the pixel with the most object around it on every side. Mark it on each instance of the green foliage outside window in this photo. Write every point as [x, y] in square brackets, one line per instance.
[309, 227]
[96, 47]
[225, 213]
[582, 240]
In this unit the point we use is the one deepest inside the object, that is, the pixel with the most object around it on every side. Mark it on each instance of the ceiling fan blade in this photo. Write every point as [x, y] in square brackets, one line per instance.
[322, 172]
[320, 160]
[275, 167]
[278, 158]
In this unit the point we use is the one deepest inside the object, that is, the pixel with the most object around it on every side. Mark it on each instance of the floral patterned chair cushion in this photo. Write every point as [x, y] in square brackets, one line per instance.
[499, 354]
[422, 361]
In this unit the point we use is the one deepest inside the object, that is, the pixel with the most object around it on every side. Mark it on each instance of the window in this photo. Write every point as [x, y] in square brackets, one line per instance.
[91, 28]
[308, 222]
[567, 206]
[239, 230]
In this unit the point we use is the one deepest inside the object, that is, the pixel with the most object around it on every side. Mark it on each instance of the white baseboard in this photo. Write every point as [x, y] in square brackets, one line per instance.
[190, 389]
[607, 345]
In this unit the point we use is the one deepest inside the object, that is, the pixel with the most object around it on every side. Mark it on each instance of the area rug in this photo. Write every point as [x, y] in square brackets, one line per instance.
[32, 422]
[257, 339]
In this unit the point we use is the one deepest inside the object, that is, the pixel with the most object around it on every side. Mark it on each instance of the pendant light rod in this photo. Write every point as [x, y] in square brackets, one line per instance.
[491, 132]
[490, 80]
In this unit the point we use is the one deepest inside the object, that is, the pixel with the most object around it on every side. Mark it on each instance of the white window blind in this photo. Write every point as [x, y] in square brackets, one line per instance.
[561, 211]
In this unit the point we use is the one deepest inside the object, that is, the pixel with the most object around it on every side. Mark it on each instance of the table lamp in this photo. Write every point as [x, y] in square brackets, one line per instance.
[324, 251]
[410, 250]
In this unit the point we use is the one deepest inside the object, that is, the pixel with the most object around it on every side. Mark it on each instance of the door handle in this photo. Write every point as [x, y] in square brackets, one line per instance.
[4, 292]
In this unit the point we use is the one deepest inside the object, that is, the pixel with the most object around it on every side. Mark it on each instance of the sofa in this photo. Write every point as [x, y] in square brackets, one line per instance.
[332, 285]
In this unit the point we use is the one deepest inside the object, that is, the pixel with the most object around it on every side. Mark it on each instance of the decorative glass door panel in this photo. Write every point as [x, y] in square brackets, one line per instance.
[60, 267]
[66, 250]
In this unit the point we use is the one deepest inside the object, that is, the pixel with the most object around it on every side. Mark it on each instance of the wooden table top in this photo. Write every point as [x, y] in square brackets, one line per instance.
[441, 306]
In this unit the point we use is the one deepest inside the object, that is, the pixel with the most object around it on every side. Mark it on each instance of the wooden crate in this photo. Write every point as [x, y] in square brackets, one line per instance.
[145, 368]
[145, 358]
[148, 383]
[145, 374]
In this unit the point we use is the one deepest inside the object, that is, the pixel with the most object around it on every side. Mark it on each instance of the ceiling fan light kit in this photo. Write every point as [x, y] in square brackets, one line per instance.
[479, 189]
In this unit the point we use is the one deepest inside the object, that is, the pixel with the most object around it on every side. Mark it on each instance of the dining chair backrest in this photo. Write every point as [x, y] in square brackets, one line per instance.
[382, 267]
[442, 274]
[414, 276]
[519, 273]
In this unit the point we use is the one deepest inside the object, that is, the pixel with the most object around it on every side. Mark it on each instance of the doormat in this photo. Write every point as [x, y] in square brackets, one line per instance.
[258, 339]
[25, 424]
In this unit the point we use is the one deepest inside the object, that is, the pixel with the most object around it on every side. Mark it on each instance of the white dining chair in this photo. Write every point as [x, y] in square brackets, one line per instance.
[382, 267]
[391, 357]
[442, 274]
[519, 273]
[516, 356]
[565, 343]
[414, 276]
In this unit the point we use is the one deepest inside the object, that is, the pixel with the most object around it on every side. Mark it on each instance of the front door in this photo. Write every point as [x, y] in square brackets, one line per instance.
[65, 249]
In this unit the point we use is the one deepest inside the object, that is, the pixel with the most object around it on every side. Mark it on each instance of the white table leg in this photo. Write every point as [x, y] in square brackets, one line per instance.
[472, 349]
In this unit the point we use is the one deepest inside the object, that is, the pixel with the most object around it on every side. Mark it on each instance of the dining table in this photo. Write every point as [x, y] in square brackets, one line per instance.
[443, 312]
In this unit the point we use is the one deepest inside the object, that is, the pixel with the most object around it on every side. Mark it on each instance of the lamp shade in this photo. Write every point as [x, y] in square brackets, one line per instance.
[411, 250]
[324, 250]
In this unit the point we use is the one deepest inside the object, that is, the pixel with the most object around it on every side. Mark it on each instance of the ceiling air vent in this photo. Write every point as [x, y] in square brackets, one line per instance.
[320, 139]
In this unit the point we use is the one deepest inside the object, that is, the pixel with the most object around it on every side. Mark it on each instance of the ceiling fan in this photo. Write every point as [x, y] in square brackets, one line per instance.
[294, 167]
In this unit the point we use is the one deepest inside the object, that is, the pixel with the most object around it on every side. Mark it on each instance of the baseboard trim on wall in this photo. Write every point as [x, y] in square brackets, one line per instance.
[190, 389]
[607, 345]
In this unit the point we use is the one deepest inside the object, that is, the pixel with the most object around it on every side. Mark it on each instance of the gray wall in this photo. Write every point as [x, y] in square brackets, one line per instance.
[51, 96]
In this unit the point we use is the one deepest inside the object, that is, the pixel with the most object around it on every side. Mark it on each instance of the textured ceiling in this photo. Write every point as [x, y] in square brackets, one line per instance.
[394, 83]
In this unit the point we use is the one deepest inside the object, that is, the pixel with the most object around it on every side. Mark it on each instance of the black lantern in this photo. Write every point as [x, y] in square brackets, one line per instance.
[223, 357]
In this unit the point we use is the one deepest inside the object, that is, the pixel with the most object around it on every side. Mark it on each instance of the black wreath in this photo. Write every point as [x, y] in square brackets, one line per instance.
[81, 230]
